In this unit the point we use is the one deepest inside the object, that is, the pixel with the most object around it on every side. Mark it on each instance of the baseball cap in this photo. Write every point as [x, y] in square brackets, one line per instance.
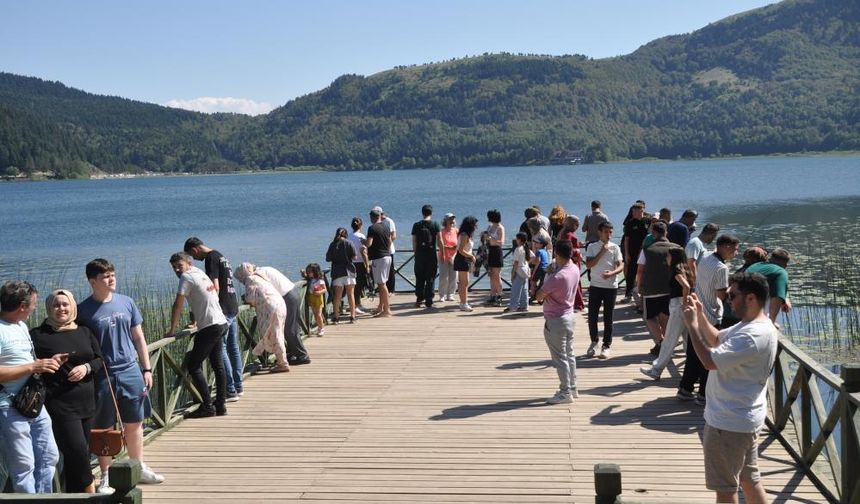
[377, 208]
[449, 215]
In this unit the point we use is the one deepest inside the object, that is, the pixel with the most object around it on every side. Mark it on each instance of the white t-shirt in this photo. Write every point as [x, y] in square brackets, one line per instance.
[695, 249]
[393, 229]
[15, 349]
[357, 238]
[202, 298]
[279, 281]
[737, 390]
[519, 257]
[607, 262]
[713, 275]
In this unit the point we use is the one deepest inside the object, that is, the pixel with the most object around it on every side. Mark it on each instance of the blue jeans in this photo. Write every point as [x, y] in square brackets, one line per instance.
[30, 451]
[232, 356]
[519, 293]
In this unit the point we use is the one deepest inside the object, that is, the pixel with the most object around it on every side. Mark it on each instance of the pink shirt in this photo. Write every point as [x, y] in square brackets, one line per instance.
[560, 287]
[449, 239]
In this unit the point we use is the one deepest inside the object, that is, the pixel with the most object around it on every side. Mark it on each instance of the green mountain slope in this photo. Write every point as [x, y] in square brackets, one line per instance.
[783, 78]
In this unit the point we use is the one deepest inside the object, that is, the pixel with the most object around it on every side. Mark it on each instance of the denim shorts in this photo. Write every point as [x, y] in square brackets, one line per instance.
[131, 396]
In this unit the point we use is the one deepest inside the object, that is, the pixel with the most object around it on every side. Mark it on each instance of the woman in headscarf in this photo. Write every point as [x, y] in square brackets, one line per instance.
[271, 314]
[341, 254]
[71, 395]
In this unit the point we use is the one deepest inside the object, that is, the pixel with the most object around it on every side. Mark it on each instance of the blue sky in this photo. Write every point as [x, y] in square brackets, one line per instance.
[252, 55]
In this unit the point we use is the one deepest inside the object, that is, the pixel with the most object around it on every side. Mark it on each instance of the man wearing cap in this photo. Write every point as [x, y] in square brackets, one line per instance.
[379, 253]
[392, 229]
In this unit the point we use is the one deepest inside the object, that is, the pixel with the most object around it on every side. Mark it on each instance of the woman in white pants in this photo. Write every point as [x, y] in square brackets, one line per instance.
[447, 274]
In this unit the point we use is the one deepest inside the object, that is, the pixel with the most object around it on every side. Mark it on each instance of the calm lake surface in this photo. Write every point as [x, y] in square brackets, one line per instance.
[49, 230]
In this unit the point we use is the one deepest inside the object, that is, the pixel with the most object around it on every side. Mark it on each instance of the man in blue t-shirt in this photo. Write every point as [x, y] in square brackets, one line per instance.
[679, 231]
[28, 443]
[118, 326]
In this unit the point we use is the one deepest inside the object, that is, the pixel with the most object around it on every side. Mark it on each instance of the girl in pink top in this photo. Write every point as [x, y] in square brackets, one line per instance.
[447, 274]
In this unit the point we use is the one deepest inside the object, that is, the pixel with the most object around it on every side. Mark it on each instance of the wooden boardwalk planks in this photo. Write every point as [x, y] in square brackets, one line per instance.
[445, 406]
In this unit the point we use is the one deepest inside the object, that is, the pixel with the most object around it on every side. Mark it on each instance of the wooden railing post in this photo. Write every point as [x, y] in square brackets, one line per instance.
[124, 476]
[607, 483]
[850, 436]
[805, 411]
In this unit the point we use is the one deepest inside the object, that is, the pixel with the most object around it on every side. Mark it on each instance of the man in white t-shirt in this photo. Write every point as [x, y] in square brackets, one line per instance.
[695, 248]
[606, 261]
[740, 359]
[199, 291]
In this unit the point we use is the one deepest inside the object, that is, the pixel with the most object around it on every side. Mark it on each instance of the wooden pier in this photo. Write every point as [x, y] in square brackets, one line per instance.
[445, 406]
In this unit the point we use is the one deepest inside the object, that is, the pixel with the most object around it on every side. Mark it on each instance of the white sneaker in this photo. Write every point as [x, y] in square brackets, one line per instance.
[465, 307]
[650, 372]
[104, 487]
[604, 353]
[591, 349]
[449, 298]
[560, 398]
[148, 476]
[359, 311]
[574, 393]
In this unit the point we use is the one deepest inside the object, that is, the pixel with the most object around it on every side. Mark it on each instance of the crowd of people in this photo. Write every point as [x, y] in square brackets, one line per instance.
[91, 362]
[95, 364]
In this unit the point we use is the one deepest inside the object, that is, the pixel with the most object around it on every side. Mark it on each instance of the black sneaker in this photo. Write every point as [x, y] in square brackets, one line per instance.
[201, 412]
[655, 351]
[295, 361]
[222, 411]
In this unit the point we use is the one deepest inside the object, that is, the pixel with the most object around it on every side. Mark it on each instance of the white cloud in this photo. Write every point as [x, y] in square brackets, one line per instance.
[210, 104]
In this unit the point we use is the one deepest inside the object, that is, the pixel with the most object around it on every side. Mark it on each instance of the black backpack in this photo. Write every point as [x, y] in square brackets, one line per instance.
[425, 237]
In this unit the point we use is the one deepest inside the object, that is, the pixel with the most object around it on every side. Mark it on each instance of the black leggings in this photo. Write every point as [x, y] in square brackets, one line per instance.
[601, 296]
[630, 269]
[694, 371]
[208, 342]
[73, 440]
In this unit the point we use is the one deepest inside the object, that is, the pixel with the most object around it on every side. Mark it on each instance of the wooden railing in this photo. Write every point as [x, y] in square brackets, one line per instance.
[124, 477]
[795, 400]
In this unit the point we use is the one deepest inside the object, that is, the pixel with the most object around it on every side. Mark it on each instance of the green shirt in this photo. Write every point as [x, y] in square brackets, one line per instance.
[777, 278]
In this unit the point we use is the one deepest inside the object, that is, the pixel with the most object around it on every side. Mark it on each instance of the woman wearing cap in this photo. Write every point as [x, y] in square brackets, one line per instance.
[447, 274]
[71, 395]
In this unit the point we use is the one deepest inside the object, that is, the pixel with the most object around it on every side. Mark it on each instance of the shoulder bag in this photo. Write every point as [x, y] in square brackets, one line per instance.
[31, 398]
[108, 442]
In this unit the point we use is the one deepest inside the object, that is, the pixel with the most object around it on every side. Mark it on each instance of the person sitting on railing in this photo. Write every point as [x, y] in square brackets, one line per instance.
[118, 325]
[740, 359]
[201, 294]
[271, 314]
[71, 398]
[29, 449]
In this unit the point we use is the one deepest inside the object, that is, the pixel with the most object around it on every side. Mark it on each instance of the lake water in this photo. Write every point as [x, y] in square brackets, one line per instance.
[49, 230]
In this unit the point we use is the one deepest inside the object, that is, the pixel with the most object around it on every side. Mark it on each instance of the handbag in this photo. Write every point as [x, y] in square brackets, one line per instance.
[108, 442]
[31, 398]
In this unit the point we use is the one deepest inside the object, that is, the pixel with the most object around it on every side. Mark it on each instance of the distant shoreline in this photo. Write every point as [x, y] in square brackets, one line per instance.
[45, 176]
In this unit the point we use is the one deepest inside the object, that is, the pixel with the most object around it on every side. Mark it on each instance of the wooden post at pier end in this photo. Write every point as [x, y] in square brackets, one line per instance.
[850, 440]
[607, 483]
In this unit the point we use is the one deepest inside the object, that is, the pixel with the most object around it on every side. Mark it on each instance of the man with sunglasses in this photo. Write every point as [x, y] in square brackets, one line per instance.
[740, 359]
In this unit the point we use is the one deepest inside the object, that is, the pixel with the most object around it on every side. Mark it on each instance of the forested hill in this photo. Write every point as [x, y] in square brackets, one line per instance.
[783, 78]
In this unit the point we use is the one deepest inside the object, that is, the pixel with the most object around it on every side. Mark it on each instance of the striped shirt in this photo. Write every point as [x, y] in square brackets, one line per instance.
[713, 275]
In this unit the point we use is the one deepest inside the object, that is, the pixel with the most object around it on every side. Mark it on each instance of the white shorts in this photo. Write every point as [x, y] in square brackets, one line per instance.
[343, 281]
[381, 267]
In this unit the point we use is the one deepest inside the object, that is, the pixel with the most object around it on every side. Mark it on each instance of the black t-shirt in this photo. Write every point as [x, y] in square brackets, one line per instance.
[425, 232]
[635, 230]
[218, 267]
[675, 289]
[65, 398]
[381, 236]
